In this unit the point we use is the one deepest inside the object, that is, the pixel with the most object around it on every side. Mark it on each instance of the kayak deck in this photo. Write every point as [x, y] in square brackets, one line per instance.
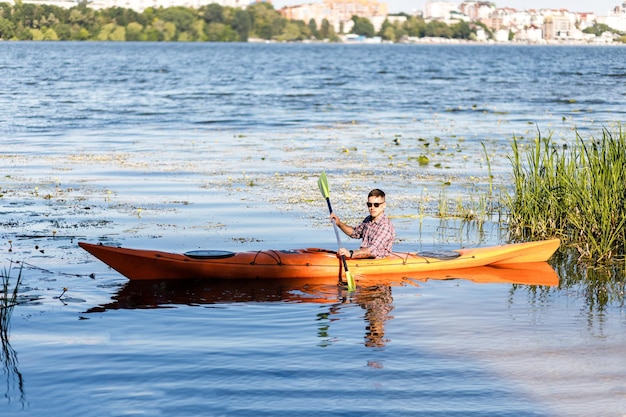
[139, 264]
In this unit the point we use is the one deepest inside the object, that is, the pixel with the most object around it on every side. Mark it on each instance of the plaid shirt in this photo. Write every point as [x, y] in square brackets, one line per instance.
[377, 235]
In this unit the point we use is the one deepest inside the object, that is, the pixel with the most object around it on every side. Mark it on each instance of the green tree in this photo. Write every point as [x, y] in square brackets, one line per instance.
[461, 30]
[23, 33]
[363, 27]
[598, 29]
[64, 31]
[118, 34]
[197, 30]
[168, 29]
[181, 17]
[294, 31]
[84, 17]
[115, 14]
[415, 27]
[78, 33]
[213, 13]
[219, 32]
[105, 32]
[7, 29]
[242, 23]
[313, 29]
[36, 35]
[327, 31]
[266, 22]
[387, 31]
[324, 29]
[77, 17]
[5, 10]
[50, 34]
[134, 31]
[152, 34]
[437, 29]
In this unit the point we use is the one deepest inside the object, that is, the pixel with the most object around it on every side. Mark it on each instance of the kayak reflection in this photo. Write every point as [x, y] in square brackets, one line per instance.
[374, 295]
[162, 293]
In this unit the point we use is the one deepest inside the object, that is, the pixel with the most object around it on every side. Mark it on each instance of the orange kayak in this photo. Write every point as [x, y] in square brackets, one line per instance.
[312, 263]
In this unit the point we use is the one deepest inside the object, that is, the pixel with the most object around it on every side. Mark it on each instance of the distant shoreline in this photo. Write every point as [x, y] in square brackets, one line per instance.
[446, 41]
[422, 41]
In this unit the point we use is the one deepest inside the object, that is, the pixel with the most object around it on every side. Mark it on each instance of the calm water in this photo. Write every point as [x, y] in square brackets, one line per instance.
[186, 146]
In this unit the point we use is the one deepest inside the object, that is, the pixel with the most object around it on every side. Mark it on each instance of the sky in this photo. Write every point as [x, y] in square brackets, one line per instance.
[600, 7]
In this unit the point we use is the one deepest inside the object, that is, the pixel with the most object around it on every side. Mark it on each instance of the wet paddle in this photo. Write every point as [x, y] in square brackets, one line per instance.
[323, 185]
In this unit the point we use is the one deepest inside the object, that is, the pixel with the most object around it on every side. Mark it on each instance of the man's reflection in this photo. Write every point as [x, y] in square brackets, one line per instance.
[377, 302]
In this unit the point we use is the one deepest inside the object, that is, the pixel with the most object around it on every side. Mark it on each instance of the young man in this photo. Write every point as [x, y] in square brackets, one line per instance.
[376, 230]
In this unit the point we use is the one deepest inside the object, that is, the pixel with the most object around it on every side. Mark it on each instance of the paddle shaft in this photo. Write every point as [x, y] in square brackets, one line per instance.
[330, 209]
[343, 258]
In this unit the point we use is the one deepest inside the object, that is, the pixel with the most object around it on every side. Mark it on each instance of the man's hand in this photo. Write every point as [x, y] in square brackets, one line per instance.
[343, 252]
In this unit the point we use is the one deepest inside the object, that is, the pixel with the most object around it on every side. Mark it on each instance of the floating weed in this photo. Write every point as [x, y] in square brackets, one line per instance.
[422, 159]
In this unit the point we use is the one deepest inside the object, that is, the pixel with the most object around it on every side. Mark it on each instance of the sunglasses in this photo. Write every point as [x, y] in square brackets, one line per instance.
[375, 204]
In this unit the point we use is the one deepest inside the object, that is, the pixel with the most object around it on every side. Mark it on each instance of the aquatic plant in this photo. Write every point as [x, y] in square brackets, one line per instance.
[576, 192]
[8, 297]
[8, 356]
[477, 205]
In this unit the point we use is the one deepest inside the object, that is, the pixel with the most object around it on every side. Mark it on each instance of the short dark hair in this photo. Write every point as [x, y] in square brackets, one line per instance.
[376, 193]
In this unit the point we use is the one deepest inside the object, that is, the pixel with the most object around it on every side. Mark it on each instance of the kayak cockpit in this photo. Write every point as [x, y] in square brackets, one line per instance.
[209, 254]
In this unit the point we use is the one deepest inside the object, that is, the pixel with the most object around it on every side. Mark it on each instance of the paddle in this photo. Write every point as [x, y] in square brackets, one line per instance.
[323, 185]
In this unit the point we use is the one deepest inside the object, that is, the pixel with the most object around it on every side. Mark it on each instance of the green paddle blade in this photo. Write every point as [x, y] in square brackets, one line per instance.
[350, 279]
[322, 183]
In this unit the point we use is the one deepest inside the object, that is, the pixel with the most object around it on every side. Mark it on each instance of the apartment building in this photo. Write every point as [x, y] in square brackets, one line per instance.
[338, 12]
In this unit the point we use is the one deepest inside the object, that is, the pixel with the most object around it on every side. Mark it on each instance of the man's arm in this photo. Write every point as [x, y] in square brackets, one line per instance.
[348, 230]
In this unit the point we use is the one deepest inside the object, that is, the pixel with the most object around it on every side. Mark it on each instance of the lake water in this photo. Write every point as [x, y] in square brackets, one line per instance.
[188, 146]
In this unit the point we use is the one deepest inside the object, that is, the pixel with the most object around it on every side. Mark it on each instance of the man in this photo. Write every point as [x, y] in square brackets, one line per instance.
[376, 230]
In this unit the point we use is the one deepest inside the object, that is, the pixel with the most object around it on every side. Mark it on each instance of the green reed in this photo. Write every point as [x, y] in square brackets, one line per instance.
[477, 205]
[575, 192]
[8, 299]
[8, 356]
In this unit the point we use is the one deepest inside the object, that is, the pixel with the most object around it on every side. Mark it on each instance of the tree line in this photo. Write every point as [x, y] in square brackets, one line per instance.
[212, 23]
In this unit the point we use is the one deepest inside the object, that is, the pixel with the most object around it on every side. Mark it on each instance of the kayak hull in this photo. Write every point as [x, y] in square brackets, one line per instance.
[312, 263]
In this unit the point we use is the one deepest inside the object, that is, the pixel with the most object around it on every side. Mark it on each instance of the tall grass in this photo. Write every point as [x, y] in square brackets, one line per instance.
[575, 192]
[8, 300]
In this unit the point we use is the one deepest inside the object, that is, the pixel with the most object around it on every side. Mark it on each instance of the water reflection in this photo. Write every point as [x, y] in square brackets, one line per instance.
[8, 300]
[378, 303]
[600, 286]
[374, 294]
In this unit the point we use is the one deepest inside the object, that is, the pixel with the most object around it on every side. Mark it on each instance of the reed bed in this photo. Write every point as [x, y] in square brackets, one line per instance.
[575, 192]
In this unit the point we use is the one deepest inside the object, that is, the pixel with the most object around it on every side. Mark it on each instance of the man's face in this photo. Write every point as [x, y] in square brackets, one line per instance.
[372, 202]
